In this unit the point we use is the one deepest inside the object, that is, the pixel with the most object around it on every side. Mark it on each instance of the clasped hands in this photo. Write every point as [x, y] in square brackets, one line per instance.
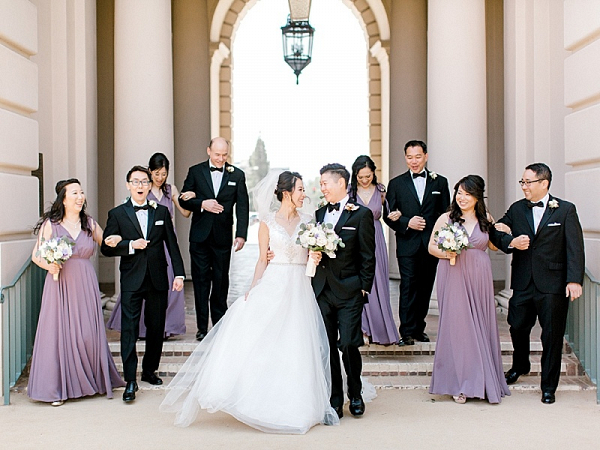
[520, 242]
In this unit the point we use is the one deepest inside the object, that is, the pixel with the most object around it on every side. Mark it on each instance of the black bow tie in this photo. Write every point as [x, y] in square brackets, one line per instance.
[218, 169]
[532, 205]
[139, 208]
[332, 206]
[417, 175]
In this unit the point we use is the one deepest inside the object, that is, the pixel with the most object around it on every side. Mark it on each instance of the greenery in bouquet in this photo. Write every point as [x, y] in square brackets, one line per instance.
[319, 237]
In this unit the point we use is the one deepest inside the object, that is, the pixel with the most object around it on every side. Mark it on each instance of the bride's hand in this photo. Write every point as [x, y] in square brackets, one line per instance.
[316, 256]
[502, 228]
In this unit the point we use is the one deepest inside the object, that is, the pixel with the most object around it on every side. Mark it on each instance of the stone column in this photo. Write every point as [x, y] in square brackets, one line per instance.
[456, 88]
[143, 85]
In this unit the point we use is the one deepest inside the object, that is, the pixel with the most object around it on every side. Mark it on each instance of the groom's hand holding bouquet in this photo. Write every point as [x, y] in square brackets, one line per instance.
[318, 238]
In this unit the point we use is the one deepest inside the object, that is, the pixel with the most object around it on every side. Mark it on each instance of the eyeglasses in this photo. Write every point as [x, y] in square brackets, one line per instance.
[138, 182]
[529, 183]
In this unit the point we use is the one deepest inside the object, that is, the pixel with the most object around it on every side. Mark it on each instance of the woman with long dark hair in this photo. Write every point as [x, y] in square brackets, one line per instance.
[377, 320]
[468, 361]
[167, 195]
[71, 357]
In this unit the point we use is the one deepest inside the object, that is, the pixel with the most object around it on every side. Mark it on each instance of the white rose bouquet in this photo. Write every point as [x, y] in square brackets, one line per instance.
[55, 250]
[452, 238]
[318, 237]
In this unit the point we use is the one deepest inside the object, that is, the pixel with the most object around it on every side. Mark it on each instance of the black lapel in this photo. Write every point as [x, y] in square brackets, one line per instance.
[428, 185]
[549, 211]
[132, 216]
[320, 214]
[224, 179]
[206, 172]
[342, 220]
[411, 185]
[151, 213]
[529, 216]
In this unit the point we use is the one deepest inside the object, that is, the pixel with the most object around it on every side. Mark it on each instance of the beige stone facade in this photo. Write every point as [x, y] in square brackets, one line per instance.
[94, 86]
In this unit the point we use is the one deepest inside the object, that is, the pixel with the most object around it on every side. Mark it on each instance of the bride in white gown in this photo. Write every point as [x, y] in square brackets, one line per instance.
[266, 362]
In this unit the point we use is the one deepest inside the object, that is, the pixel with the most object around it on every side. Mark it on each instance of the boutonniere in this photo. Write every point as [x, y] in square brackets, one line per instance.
[126, 200]
[230, 169]
[350, 207]
[433, 175]
[322, 202]
[553, 204]
[153, 204]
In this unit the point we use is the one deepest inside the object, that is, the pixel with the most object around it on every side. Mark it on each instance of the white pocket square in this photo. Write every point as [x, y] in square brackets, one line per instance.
[348, 228]
[159, 222]
[555, 224]
[231, 183]
[435, 193]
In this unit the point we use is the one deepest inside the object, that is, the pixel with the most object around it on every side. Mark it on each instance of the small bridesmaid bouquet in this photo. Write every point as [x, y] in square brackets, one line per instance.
[318, 237]
[56, 250]
[452, 238]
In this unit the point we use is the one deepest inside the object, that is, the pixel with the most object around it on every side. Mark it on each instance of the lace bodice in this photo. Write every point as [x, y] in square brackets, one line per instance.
[283, 245]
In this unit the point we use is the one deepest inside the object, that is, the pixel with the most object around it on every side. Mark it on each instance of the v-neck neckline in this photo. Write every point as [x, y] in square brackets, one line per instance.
[291, 236]
[69, 233]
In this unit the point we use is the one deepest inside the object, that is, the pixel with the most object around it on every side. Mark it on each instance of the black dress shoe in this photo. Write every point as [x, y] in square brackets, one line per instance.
[548, 397]
[406, 341]
[339, 410]
[200, 335]
[151, 378]
[512, 376]
[130, 390]
[422, 338]
[357, 407]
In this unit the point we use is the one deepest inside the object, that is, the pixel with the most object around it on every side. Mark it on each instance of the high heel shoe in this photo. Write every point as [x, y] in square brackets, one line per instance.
[58, 403]
[460, 399]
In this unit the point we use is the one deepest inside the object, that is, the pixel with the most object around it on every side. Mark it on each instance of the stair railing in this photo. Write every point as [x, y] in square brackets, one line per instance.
[20, 304]
[583, 329]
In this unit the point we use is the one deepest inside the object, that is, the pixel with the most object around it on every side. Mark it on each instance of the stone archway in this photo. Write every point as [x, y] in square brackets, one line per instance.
[374, 21]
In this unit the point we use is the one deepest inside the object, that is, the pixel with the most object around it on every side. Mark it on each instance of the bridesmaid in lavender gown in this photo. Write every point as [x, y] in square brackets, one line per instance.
[71, 357]
[377, 320]
[468, 362]
[167, 195]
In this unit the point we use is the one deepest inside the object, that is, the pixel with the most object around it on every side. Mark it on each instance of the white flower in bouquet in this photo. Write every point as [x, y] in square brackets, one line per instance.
[318, 237]
[452, 238]
[55, 250]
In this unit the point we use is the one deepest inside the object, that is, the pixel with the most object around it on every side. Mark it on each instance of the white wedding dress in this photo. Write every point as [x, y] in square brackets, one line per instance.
[266, 362]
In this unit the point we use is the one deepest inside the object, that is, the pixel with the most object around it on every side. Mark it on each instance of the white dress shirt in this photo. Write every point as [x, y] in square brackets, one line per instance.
[538, 212]
[142, 217]
[420, 183]
[217, 177]
[333, 216]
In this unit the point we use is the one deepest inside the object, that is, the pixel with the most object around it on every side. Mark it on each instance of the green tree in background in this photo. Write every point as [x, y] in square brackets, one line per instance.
[258, 167]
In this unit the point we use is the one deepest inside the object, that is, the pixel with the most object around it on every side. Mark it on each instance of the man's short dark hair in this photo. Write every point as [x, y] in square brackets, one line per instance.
[338, 170]
[415, 144]
[139, 169]
[542, 171]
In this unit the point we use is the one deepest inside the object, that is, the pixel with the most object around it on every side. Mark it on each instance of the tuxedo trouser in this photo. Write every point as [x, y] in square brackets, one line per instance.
[154, 318]
[210, 276]
[417, 275]
[342, 318]
[551, 310]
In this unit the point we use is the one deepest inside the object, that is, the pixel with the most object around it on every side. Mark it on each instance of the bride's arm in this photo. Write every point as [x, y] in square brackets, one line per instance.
[263, 247]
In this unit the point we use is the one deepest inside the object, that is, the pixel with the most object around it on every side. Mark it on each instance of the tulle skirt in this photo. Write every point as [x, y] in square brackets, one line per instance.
[266, 362]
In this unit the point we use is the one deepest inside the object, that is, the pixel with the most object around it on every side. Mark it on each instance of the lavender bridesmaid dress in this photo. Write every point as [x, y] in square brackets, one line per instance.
[467, 356]
[71, 357]
[175, 319]
[377, 319]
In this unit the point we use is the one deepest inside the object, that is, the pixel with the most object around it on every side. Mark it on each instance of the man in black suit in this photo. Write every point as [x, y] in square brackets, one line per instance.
[416, 199]
[145, 227]
[211, 190]
[548, 263]
[342, 284]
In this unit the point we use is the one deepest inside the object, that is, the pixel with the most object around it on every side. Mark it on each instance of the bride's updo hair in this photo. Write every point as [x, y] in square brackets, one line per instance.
[286, 183]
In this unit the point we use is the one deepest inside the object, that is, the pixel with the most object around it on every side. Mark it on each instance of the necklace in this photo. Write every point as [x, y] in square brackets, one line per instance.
[72, 223]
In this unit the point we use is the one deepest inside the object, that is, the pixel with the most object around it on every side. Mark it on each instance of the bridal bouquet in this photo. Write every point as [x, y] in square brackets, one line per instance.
[452, 238]
[56, 250]
[318, 237]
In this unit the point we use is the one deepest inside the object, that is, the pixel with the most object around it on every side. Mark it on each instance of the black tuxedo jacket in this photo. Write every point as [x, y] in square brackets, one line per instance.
[402, 196]
[555, 255]
[353, 268]
[232, 192]
[123, 221]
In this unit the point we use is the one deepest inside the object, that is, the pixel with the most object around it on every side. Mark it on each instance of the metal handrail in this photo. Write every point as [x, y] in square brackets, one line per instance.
[21, 301]
[583, 329]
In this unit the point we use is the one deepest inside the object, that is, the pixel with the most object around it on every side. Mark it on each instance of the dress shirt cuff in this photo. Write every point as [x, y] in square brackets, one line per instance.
[180, 276]
[131, 249]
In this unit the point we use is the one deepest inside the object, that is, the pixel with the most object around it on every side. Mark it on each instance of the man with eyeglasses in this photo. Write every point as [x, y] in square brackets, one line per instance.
[145, 228]
[548, 263]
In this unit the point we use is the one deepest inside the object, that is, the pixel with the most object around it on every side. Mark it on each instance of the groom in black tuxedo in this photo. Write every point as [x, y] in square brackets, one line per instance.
[145, 227]
[548, 263]
[211, 190]
[416, 199]
[342, 284]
